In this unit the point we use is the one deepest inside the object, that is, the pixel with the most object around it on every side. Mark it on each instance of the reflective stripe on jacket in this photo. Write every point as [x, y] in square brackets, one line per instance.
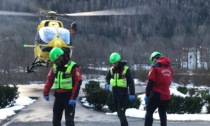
[116, 81]
[63, 80]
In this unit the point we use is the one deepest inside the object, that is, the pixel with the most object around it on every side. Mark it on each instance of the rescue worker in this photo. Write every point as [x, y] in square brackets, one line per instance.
[157, 89]
[119, 77]
[65, 77]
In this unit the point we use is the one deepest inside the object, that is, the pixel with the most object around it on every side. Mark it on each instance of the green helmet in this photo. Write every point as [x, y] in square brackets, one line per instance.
[154, 54]
[55, 53]
[114, 57]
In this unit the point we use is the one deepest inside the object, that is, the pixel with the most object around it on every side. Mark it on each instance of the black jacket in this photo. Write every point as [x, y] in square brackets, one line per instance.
[130, 82]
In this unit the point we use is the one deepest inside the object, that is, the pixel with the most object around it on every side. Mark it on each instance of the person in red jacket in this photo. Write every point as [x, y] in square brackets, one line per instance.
[65, 77]
[157, 89]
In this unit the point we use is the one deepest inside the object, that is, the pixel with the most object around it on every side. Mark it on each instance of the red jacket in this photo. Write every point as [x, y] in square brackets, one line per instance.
[160, 78]
[77, 81]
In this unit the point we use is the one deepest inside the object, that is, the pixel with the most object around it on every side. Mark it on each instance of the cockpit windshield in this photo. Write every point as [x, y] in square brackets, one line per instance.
[48, 33]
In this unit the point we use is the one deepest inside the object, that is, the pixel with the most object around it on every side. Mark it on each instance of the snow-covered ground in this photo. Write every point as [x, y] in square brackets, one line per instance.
[21, 102]
[140, 113]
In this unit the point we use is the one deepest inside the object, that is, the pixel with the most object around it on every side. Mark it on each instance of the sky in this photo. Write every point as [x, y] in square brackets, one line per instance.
[22, 102]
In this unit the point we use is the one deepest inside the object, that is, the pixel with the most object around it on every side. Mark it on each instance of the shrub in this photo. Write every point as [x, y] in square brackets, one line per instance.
[99, 97]
[191, 91]
[176, 105]
[95, 95]
[135, 104]
[183, 90]
[8, 95]
[207, 100]
[91, 86]
[110, 103]
[204, 93]
[193, 104]
[182, 105]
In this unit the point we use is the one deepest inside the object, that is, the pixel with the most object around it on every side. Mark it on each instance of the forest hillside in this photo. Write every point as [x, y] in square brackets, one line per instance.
[167, 26]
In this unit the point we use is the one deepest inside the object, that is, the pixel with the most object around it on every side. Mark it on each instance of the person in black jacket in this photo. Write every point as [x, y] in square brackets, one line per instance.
[119, 77]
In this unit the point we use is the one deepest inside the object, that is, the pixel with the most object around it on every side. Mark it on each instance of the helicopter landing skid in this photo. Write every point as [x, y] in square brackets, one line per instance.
[35, 64]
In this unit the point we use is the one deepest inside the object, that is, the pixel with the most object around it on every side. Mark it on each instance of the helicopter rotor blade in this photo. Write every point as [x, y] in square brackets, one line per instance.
[138, 10]
[12, 13]
[125, 11]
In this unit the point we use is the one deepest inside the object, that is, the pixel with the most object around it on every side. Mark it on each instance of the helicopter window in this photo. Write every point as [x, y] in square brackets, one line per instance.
[64, 34]
[46, 24]
[47, 34]
[49, 23]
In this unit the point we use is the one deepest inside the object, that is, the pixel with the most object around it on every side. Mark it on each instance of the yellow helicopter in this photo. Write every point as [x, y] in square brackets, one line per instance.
[51, 32]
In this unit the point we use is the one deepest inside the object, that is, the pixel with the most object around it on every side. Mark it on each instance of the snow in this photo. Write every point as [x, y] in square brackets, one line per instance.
[140, 113]
[21, 102]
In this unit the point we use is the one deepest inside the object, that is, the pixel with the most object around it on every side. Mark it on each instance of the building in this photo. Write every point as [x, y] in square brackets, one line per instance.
[195, 58]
